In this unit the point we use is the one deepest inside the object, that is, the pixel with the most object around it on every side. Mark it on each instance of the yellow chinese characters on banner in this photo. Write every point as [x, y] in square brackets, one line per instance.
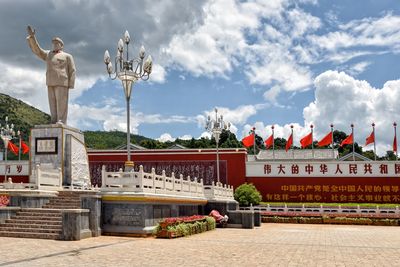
[337, 193]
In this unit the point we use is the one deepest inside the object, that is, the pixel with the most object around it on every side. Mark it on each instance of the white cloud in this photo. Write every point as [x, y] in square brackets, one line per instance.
[364, 33]
[340, 99]
[29, 85]
[158, 74]
[233, 129]
[205, 135]
[25, 84]
[112, 117]
[302, 22]
[185, 137]
[358, 68]
[271, 94]
[281, 131]
[238, 115]
[220, 43]
[166, 137]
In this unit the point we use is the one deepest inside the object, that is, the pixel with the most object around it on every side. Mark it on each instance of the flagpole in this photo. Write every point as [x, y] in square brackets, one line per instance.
[5, 167]
[254, 143]
[373, 132]
[395, 136]
[312, 139]
[19, 148]
[333, 150]
[273, 142]
[352, 133]
[291, 127]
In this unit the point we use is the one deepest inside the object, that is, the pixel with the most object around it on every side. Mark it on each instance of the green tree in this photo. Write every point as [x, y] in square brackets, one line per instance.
[370, 154]
[247, 194]
[390, 155]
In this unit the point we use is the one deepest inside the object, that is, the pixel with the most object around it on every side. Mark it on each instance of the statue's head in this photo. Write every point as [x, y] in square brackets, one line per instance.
[58, 44]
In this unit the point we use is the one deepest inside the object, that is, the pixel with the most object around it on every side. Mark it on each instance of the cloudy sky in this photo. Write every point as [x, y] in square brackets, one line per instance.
[281, 62]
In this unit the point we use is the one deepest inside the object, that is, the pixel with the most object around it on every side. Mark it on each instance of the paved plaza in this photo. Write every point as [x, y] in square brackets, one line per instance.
[269, 245]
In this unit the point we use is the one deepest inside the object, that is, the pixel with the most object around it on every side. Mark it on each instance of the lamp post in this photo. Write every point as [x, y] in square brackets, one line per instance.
[6, 133]
[128, 71]
[215, 127]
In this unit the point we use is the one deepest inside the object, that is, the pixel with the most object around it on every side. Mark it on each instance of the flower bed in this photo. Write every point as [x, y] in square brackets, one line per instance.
[184, 226]
[4, 200]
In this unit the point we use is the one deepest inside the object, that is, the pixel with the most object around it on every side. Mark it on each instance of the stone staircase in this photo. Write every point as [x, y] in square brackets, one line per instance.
[43, 223]
[65, 200]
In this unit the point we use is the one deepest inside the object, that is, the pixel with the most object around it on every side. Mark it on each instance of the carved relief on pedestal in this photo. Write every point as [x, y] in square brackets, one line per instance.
[79, 164]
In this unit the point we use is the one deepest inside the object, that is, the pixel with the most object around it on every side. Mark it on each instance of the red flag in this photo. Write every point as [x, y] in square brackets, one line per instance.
[269, 141]
[327, 140]
[248, 141]
[13, 148]
[347, 141]
[395, 144]
[370, 139]
[306, 140]
[24, 147]
[289, 142]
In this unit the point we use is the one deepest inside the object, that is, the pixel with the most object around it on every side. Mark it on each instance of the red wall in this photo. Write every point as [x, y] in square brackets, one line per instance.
[328, 189]
[16, 179]
[232, 162]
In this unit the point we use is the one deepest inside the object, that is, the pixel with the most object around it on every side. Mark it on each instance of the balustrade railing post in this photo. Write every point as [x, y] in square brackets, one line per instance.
[163, 178]
[202, 186]
[173, 181]
[140, 177]
[103, 176]
[38, 175]
[181, 183]
[60, 179]
[196, 185]
[189, 189]
[153, 177]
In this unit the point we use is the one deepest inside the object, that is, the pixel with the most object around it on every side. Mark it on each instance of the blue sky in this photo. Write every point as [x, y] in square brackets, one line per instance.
[281, 62]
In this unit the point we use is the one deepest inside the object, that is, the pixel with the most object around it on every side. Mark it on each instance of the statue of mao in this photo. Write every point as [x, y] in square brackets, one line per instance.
[60, 75]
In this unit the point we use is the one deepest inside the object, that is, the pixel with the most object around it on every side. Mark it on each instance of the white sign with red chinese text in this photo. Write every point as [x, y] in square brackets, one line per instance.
[15, 168]
[324, 169]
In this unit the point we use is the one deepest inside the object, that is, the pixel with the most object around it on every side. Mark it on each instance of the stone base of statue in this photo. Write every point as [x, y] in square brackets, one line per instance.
[58, 157]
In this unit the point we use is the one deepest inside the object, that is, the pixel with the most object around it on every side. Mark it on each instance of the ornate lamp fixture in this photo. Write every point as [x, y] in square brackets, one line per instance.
[128, 71]
[215, 127]
[7, 133]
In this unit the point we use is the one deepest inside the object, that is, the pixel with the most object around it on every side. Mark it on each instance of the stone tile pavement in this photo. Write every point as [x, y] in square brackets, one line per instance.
[269, 245]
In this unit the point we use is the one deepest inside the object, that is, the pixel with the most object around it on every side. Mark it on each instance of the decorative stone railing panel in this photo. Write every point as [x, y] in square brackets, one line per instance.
[48, 178]
[142, 182]
[218, 191]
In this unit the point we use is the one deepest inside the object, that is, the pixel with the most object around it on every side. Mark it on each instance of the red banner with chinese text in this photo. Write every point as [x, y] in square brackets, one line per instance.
[328, 189]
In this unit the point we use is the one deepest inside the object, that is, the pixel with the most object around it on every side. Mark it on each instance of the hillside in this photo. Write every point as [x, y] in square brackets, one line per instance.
[108, 140]
[22, 115]
[25, 117]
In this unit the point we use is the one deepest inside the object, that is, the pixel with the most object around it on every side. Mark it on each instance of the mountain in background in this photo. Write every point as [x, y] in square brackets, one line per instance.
[22, 115]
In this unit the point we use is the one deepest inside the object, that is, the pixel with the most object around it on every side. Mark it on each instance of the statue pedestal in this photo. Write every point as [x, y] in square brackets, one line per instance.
[60, 149]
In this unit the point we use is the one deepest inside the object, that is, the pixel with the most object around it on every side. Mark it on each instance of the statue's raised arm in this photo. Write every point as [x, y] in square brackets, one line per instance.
[34, 45]
[31, 31]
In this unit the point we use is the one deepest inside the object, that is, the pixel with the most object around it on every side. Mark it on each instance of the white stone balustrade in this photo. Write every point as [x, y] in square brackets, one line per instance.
[218, 191]
[48, 178]
[142, 182]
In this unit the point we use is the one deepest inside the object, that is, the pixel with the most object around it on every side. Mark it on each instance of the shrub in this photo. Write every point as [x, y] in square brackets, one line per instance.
[183, 229]
[247, 194]
[211, 224]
